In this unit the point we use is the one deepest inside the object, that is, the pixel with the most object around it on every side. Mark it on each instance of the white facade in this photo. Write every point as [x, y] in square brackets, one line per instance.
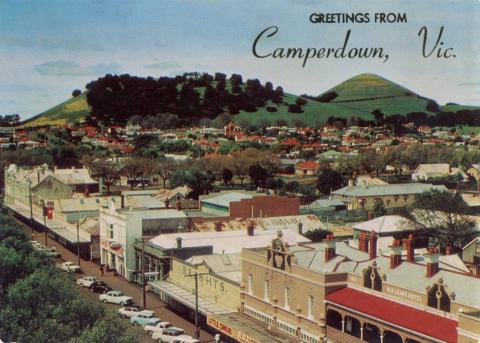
[120, 228]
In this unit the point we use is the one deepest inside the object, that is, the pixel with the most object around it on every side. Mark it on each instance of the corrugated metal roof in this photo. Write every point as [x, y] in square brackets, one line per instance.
[392, 189]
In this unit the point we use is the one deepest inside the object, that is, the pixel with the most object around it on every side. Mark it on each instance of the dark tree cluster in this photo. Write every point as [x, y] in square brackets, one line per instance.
[9, 119]
[184, 99]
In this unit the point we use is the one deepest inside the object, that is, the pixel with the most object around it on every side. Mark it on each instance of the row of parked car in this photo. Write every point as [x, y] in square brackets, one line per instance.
[161, 331]
[45, 249]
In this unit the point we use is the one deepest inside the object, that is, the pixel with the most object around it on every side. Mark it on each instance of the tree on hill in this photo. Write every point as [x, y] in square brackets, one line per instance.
[432, 106]
[76, 92]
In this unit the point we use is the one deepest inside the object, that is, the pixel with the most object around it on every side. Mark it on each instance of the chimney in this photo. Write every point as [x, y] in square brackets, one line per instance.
[167, 203]
[396, 256]
[218, 226]
[370, 215]
[350, 183]
[432, 259]
[178, 204]
[300, 228]
[122, 201]
[410, 246]
[330, 248]
[250, 229]
[179, 242]
[448, 250]
[373, 245]
[363, 242]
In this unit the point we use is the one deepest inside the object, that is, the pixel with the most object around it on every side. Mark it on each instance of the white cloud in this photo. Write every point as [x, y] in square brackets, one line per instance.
[70, 68]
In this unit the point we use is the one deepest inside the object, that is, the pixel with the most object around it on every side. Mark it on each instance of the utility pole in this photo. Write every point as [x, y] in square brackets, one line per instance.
[78, 241]
[197, 326]
[44, 210]
[144, 295]
[30, 203]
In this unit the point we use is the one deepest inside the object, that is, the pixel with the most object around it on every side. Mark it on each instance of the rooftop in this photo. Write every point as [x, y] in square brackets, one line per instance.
[385, 190]
[226, 241]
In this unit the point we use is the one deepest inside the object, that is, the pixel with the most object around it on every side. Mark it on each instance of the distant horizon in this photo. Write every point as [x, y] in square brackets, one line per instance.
[45, 54]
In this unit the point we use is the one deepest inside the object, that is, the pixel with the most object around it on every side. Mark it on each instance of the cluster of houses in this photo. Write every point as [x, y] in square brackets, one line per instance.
[261, 279]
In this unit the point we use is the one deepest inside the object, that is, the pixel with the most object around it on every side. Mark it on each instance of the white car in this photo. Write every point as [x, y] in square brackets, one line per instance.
[185, 339]
[131, 311]
[157, 328]
[168, 335]
[86, 281]
[116, 297]
[69, 267]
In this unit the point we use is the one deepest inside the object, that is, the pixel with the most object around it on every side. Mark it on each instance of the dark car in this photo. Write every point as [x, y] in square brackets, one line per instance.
[100, 287]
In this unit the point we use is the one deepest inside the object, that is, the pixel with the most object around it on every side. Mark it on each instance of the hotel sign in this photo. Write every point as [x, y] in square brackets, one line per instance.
[404, 294]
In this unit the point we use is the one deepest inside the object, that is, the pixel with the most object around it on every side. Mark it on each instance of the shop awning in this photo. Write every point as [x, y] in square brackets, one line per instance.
[391, 312]
[187, 298]
[245, 329]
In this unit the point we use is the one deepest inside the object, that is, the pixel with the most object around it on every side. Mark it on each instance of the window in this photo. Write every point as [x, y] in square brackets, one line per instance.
[266, 290]
[310, 307]
[250, 283]
[287, 298]
[110, 231]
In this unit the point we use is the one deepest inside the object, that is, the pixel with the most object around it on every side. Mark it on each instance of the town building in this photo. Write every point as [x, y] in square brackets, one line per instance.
[391, 195]
[425, 172]
[122, 226]
[248, 205]
[471, 256]
[331, 292]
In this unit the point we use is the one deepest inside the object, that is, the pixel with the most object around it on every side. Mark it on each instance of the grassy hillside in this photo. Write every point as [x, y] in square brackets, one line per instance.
[74, 109]
[357, 96]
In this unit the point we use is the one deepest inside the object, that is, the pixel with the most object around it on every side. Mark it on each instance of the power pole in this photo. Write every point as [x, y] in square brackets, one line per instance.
[44, 209]
[197, 326]
[30, 203]
[144, 295]
[78, 241]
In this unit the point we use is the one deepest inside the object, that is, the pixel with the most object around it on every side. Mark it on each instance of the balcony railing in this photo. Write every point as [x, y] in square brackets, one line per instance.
[341, 337]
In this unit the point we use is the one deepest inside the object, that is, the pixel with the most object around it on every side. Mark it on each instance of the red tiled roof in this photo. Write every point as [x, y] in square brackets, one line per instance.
[308, 165]
[395, 313]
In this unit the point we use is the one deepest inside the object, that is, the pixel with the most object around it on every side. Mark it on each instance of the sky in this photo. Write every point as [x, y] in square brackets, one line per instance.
[48, 48]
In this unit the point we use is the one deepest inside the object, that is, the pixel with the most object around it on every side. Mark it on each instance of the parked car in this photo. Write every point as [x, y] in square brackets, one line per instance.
[116, 297]
[185, 339]
[157, 327]
[129, 311]
[69, 267]
[145, 317]
[86, 281]
[167, 335]
[100, 287]
[49, 251]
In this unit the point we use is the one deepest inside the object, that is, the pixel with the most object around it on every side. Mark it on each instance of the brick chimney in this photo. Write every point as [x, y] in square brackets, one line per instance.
[363, 242]
[330, 247]
[373, 245]
[218, 226]
[178, 204]
[448, 250]
[250, 229]
[432, 258]
[396, 256]
[410, 246]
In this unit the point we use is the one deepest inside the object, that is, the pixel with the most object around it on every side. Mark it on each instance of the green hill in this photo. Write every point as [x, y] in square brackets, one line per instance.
[357, 96]
[70, 111]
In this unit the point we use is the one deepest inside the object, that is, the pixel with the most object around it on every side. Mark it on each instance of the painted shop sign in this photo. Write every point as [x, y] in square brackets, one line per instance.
[234, 333]
[404, 294]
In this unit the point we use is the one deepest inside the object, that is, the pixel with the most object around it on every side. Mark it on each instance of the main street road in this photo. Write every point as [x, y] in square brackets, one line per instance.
[118, 283]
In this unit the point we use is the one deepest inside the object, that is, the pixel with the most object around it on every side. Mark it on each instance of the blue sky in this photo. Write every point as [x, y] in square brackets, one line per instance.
[48, 48]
